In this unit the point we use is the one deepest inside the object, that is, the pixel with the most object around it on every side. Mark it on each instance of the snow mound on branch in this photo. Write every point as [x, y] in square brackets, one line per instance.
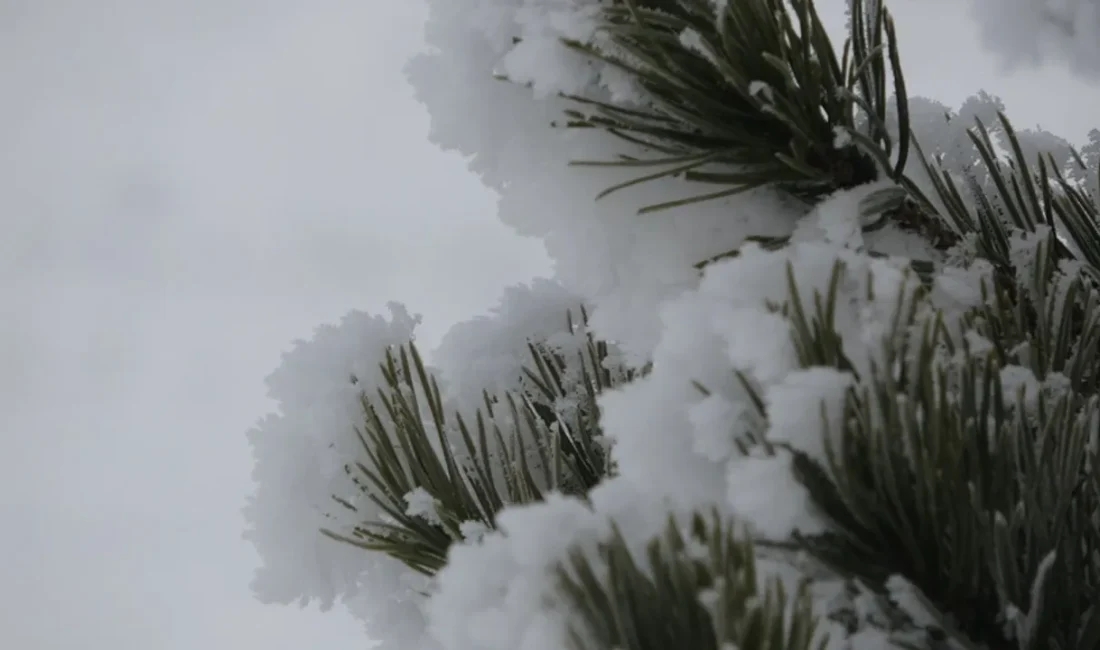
[299, 454]
[500, 593]
[666, 432]
[493, 594]
[621, 262]
[1026, 32]
[489, 352]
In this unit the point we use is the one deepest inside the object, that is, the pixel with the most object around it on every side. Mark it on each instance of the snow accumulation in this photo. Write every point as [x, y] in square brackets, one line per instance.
[674, 431]
[488, 353]
[300, 453]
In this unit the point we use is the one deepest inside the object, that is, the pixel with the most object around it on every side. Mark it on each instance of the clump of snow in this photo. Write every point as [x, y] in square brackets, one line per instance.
[718, 424]
[977, 344]
[622, 263]
[300, 452]
[488, 353]
[762, 491]
[473, 531]
[838, 219]
[806, 405]
[1020, 383]
[1056, 385]
[495, 593]
[621, 86]
[956, 288]
[762, 90]
[693, 41]
[573, 71]
[675, 441]
[422, 504]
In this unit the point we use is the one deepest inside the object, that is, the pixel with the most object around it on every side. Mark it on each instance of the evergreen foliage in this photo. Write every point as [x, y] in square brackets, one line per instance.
[757, 91]
[720, 603]
[976, 496]
[536, 446]
[985, 499]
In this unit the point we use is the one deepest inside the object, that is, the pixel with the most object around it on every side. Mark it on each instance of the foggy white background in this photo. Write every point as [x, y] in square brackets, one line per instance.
[185, 187]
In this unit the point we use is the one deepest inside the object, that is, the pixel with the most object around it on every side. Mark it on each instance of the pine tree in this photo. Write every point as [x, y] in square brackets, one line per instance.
[872, 424]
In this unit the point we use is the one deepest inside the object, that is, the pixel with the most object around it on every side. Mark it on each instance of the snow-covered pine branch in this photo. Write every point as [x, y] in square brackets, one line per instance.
[841, 386]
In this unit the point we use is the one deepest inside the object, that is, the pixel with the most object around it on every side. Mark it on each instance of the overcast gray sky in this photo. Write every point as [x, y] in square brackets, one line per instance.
[185, 187]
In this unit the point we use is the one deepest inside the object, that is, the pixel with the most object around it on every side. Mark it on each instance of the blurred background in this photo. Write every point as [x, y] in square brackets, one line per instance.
[186, 186]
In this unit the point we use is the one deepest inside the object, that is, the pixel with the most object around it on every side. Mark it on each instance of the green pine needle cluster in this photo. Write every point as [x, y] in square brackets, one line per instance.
[699, 590]
[1024, 195]
[981, 499]
[755, 97]
[408, 443]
